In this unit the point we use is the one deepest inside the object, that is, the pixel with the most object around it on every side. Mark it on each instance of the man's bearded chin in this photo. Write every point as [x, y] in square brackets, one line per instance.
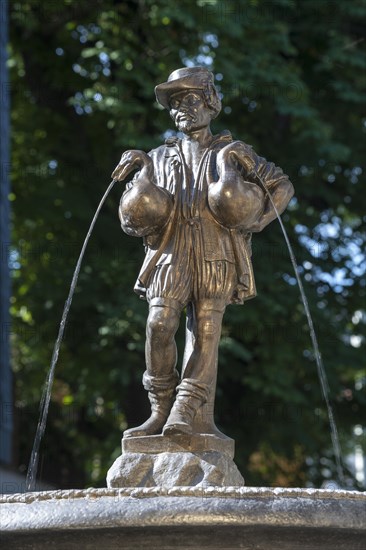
[185, 125]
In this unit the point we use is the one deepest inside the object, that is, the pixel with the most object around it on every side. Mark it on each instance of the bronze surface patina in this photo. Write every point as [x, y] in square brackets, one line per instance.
[196, 201]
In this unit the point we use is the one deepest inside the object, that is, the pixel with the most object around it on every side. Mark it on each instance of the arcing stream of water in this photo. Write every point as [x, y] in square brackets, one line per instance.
[46, 395]
[318, 358]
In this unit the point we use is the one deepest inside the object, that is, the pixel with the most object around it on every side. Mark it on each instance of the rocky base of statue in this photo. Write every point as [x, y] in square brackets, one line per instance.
[201, 460]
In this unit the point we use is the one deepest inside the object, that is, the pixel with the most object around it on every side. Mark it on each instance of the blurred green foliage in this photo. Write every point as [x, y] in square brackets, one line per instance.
[293, 80]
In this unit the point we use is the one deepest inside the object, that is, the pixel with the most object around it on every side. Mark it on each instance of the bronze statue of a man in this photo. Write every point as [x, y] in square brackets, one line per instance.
[195, 201]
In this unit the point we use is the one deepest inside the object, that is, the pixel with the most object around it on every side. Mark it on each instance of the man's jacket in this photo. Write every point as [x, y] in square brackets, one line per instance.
[191, 212]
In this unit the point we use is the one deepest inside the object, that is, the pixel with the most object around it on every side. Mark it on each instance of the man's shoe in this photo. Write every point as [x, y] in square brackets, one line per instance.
[152, 426]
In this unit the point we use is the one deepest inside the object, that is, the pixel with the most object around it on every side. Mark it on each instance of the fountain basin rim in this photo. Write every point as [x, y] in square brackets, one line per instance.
[206, 492]
[243, 507]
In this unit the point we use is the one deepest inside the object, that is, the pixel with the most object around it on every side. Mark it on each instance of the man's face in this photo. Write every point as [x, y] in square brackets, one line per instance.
[189, 111]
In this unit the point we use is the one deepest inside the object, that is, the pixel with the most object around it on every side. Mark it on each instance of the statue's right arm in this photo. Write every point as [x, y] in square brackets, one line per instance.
[145, 208]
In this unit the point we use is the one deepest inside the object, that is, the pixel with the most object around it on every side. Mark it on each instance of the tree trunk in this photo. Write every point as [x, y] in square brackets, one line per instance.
[6, 392]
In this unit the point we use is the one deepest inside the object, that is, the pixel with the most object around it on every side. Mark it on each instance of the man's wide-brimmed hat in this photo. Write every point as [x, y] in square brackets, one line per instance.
[187, 78]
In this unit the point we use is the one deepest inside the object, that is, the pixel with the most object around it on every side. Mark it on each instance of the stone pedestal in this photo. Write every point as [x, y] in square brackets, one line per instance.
[201, 460]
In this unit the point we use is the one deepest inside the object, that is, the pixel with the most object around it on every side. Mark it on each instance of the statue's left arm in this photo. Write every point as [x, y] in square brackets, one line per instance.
[238, 199]
[275, 181]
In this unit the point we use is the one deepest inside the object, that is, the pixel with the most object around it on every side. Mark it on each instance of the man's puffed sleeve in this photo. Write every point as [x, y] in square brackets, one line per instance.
[276, 182]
